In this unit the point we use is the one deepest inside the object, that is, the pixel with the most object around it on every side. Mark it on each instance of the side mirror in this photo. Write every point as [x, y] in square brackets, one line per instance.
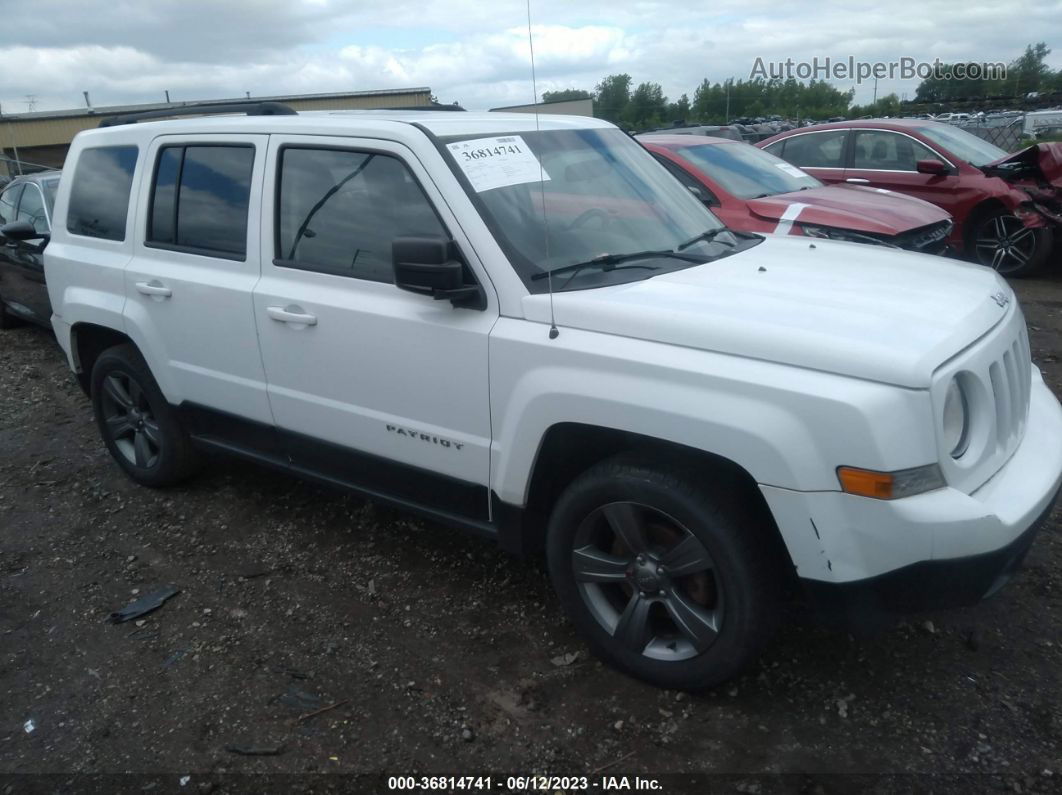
[931, 166]
[431, 266]
[21, 230]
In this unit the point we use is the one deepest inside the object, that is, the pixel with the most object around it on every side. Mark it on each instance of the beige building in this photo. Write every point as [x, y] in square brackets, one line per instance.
[563, 107]
[41, 139]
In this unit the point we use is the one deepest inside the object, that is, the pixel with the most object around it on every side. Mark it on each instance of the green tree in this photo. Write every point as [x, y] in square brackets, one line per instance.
[679, 111]
[611, 97]
[1029, 72]
[565, 94]
[647, 106]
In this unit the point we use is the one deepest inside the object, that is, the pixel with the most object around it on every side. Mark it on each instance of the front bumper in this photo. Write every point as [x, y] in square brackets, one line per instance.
[939, 549]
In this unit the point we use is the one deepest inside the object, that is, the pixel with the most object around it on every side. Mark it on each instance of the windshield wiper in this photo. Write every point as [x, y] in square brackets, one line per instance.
[705, 237]
[611, 262]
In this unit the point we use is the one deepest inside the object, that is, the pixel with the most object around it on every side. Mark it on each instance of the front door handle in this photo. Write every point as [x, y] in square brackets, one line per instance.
[154, 288]
[857, 181]
[291, 314]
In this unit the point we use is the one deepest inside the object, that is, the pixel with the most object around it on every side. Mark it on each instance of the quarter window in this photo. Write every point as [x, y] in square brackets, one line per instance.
[816, 150]
[339, 211]
[99, 197]
[8, 203]
[200, 198]
[31, 209]
[880, 150]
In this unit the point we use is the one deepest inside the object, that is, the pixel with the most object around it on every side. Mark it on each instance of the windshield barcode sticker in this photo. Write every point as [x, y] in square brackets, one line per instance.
[497, 162]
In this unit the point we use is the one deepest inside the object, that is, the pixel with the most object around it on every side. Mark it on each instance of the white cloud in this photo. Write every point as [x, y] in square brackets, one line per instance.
[127, 51]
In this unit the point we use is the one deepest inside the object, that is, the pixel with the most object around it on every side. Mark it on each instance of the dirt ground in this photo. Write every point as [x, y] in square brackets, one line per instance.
[440, 654]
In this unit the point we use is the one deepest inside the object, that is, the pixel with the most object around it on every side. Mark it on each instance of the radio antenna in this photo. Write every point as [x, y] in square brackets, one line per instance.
[553, 332]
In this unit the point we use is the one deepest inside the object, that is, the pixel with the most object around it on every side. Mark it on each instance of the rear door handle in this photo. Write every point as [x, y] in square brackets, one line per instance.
[291, 314]
[154, 288]
[858, 181]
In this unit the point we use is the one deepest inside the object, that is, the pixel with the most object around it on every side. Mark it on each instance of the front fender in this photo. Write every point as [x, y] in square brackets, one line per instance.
[787, 427]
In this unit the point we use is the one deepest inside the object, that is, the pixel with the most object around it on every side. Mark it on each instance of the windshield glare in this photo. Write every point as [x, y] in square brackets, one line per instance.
[745, 171]
[601, 194]
[964, 145]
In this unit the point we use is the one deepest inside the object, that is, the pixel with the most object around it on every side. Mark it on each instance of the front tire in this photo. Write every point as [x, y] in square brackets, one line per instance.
[667, 580]
[999, 240]
[139, 427]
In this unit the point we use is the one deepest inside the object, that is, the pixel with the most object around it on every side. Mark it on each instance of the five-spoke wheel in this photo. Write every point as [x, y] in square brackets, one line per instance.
[648, 581]
[138, 425]
[669, 575]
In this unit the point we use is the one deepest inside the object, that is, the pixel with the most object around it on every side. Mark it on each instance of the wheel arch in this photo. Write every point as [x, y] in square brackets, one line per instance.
[568, 449]
[87, 342]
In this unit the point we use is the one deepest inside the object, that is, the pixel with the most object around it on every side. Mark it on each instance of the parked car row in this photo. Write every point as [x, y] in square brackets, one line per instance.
[26, 201]
[527, 328]
[1007, 207]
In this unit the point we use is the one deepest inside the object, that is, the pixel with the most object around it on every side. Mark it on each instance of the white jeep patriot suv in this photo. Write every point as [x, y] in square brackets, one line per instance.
[526, 327]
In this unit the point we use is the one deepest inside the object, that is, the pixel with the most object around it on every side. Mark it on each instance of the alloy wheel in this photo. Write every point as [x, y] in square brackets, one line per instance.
[648, 581]
[129, 420]
[1004, 243]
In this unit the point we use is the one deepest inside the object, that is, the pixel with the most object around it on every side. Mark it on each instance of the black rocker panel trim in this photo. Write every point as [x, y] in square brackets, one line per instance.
[429, 493]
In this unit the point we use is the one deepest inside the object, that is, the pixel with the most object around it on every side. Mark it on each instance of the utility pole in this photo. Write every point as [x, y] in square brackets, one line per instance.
[728, 100]
[875, 90]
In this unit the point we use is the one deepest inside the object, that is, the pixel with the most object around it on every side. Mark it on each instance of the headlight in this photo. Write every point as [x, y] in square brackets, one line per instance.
[956, 420]
[847, 235]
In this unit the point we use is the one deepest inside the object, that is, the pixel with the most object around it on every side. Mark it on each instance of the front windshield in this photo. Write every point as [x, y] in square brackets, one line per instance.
[556, 198]
[965, 146]
[745, 171]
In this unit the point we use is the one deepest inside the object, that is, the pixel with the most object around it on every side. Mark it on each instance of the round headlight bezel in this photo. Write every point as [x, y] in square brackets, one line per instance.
[955, 419]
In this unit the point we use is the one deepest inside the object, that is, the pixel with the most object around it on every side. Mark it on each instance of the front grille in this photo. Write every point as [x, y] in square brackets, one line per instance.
[931, 239]
[1009, 376]
[997, 375]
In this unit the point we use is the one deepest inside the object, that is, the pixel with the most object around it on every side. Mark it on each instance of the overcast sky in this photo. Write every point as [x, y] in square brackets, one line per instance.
[474, 52]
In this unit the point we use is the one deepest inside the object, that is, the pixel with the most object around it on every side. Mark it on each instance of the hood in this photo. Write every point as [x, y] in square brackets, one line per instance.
[1039, 161]
[858, 208]
[845, 308]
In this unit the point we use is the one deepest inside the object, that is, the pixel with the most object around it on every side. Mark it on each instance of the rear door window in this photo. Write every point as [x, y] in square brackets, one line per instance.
[99, 196]
[816, 150]
[200, 197]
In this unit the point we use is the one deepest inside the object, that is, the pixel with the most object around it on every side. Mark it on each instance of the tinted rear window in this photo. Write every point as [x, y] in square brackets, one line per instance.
[200, 198]
[99, 197]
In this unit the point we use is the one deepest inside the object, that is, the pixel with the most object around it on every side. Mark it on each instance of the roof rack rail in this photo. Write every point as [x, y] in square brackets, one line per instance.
[434, 106]
[203, 109]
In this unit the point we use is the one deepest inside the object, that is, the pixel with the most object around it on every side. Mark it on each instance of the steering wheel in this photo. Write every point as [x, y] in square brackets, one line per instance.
[588, 215]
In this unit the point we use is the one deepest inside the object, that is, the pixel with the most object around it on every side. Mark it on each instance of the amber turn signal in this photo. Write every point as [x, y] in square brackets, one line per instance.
[890, 485]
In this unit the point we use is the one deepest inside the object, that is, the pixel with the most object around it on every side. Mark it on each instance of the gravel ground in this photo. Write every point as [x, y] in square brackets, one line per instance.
[437, 653]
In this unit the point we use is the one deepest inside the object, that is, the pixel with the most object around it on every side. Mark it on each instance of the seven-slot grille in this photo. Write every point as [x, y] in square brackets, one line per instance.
[1009, 377]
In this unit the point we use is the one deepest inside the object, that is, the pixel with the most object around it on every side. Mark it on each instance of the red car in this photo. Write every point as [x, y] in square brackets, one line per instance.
[1007, 207]
[753, 191]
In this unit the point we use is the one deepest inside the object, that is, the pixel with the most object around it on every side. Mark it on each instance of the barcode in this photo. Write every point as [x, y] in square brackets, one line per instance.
[506, 140]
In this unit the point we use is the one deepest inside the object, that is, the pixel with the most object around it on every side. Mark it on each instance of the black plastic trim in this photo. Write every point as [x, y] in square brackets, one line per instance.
[439, 496]
[207, 109]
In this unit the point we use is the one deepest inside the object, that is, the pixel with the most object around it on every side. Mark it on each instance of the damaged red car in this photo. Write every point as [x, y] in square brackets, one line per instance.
[753, 191]
[1007, 207]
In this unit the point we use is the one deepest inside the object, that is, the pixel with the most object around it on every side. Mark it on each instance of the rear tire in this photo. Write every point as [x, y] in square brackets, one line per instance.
[999, 240]
[139, 427]
[667, 580]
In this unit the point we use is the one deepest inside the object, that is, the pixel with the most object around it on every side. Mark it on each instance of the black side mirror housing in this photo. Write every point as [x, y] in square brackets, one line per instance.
[21, 230]
[432, 266]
